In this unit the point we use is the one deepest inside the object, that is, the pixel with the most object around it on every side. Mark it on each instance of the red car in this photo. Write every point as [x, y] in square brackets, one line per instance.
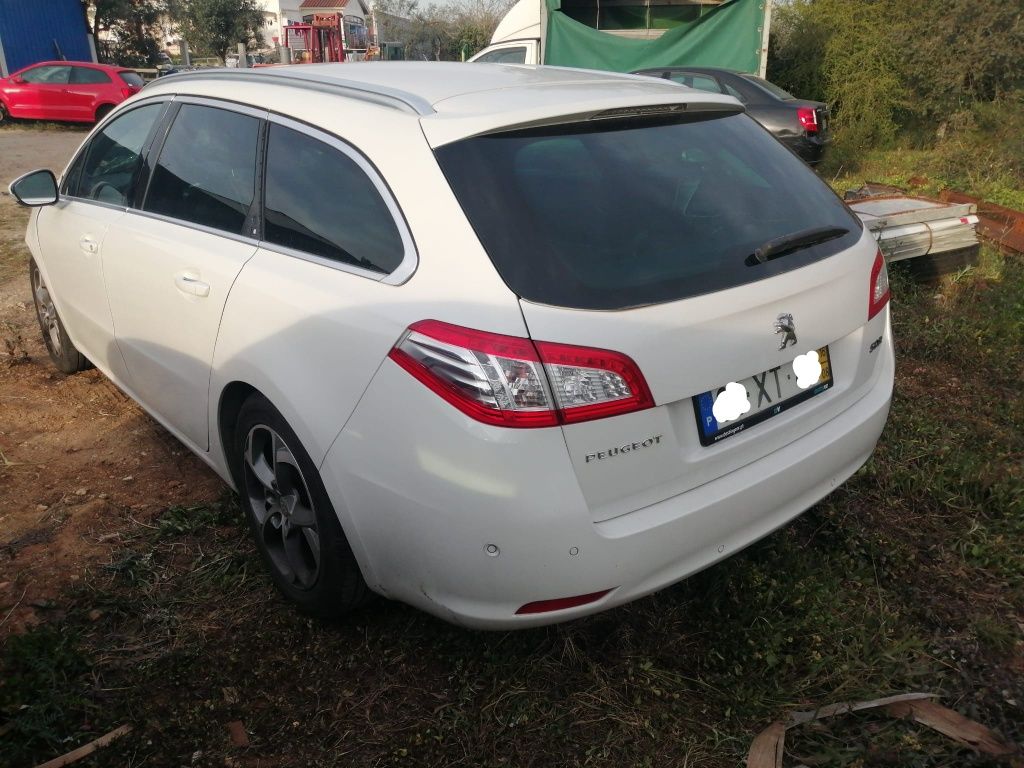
[76, 91]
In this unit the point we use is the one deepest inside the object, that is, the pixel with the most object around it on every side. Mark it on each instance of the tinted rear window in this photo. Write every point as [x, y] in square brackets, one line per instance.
[772, 88]
[608, 216]
[132, 78]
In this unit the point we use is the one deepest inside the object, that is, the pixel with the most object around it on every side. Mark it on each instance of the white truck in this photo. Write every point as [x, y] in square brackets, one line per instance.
[627, 35]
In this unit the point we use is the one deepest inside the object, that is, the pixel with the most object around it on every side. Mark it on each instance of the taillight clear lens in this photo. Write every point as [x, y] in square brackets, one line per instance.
[879, 287]
[512, 382]
[593, 383]
[808, 119]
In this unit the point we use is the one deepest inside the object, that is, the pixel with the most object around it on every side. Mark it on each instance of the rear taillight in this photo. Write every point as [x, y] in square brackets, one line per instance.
[513, 382]
[808, 119]
[127, 92]
[878, 288]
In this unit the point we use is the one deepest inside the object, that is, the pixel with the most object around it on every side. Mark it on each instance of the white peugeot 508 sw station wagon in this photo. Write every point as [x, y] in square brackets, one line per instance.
[510, 344]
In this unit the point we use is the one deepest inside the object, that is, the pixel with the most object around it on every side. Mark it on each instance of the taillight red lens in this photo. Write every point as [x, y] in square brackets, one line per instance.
[808, 119]
[878, 289]
[513, 382]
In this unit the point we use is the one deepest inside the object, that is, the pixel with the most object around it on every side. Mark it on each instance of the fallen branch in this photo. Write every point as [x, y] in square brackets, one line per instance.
[767, 749]
[87, 749]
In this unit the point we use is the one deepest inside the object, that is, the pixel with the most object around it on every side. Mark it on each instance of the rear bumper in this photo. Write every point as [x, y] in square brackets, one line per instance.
[810, 149]
[420, 511]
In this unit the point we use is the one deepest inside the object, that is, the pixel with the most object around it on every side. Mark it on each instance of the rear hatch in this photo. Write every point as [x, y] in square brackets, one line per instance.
[640, 235]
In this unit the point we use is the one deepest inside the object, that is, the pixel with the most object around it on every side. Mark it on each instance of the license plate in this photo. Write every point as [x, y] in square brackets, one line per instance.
[770, 393]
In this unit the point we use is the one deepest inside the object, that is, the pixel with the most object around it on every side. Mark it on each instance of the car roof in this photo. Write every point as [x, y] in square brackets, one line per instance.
[454, 100]
[88, 64]
[708, 70]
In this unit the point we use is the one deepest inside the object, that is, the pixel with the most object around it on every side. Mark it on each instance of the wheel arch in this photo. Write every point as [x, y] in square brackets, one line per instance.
[228, 408]
[102, 110]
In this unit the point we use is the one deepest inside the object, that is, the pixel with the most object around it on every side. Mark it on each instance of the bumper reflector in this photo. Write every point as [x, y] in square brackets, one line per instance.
[561, 603]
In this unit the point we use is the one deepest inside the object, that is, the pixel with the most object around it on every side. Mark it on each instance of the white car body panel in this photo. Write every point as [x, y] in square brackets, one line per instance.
[424, 542]
[72, 235]
[166, 335]
[420, 488]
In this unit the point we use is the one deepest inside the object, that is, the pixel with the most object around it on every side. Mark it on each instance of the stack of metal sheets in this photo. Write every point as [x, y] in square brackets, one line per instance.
[907, 227]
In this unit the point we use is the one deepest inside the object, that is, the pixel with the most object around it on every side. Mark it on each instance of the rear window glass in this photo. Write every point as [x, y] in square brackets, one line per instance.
[132, 78]
[772, 88]
[608, 216]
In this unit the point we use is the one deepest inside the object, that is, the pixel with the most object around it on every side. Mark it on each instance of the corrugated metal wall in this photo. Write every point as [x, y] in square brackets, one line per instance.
[32, 30]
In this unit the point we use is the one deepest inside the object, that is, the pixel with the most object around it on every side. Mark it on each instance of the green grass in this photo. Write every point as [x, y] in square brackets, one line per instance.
[908, 577]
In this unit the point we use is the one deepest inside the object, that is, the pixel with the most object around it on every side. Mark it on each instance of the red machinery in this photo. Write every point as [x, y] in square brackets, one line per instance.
[318, 42]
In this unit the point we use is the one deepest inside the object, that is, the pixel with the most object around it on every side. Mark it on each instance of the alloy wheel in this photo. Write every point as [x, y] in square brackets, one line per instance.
[46, 312]
[283, 508]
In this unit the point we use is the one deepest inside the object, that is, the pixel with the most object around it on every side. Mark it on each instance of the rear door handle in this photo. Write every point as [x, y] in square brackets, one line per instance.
[87, 244]
[189, 282]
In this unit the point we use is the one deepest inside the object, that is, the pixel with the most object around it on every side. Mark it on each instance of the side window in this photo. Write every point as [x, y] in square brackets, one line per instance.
[515, 55]
[700, 82]
[206, 173]
[107, 170]
[52, 74]
[320, 201]
[88, 76]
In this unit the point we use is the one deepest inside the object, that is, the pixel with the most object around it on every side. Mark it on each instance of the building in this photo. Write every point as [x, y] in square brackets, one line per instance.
[42, 31]
[277, 14]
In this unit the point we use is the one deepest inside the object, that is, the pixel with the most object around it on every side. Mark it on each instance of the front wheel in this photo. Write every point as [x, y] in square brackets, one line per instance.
[5, 116]
[291, 515]
[63, 353]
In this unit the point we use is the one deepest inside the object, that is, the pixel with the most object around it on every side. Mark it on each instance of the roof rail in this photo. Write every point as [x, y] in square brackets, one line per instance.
[395, 98]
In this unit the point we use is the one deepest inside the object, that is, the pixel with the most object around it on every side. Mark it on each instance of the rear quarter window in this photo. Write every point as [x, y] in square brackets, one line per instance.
[132, 78]
[608, 216]
[320, 201]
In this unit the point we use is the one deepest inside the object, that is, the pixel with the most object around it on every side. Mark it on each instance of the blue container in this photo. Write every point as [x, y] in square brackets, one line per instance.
[41, 30]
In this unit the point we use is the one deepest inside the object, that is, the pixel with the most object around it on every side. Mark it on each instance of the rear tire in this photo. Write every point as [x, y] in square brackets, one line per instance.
[102, 111]
[63, 353]
[291, 515]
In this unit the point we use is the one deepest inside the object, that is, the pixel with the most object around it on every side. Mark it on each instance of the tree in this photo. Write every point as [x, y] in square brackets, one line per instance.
[219, 25]
[448, 32]
[125, 31]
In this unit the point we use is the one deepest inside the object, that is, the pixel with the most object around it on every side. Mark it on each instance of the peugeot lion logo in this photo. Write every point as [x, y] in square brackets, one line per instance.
[784, 324]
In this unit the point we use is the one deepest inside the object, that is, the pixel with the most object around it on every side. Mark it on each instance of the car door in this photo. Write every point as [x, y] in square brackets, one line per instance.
[39, 93]
[169, 265]
[85, 85]
[95, 192]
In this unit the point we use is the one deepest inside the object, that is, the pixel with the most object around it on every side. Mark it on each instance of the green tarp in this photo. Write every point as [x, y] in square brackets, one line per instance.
[728, 35]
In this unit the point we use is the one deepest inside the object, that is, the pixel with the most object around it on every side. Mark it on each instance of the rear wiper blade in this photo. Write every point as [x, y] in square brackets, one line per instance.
[794, 241]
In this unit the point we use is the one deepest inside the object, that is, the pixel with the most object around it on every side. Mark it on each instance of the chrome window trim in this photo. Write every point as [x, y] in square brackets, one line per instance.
[230, 106]
[197, 227]
[410, 257]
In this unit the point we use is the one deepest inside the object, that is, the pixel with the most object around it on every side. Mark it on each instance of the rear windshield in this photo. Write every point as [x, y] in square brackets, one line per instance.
[772, 88]
[603, 215]
[132, 78]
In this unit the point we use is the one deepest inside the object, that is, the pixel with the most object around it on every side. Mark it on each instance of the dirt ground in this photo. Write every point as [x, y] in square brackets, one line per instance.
[80, 463]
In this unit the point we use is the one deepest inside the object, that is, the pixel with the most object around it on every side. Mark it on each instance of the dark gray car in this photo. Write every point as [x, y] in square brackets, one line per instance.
[799, 124]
